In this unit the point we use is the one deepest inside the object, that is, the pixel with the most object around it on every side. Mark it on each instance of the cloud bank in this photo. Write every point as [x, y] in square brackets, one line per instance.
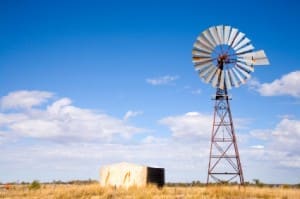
[59, 120]
[52, 134]
[286, 85]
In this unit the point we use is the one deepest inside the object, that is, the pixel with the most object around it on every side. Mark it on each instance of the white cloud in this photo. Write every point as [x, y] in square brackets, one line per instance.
[182, 161]
[281, 144]
[195, 124]
[287, 85]
[24, 99]
[257, 147]
[130, 114]
[287, 133]
[189, 124]
[167, 79]
[196, 92]
[60, 120]
[284, 136]
[262, 134]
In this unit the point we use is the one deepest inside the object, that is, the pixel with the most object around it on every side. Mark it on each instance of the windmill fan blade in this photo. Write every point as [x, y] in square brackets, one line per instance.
[233, 79]
[200, 53]
[210, 75]
[245, 66]
[199, 46]
[226, 34]
[201, 63]
[247, 48]
[201, 66]
[239, 77]
[243, 71]
[213, 32]
[204, 42]
[232, 35]
[206, 71]
[244, 42]
[255, 58]
[199, 60]
[237, 39]
[208, 37]
[220, 31]
[227, 80]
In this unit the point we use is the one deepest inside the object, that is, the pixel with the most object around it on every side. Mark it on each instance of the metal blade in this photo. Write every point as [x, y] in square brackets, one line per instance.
[232, 35]
[227, 80]
[245, 49]
[255, 58]
[201, 66]
[221, 84]
[220, 31]
[198, 61]
[205, 42]
[226, 34]
[245, 66]
[233, 79]
[201, 47]
[216, 80]
[244, 42]
[208, 37]
[243, 71]
[210, 75]
[239, 77]
[205, 71]
[200, 53]
[213, 32]
[237, 39]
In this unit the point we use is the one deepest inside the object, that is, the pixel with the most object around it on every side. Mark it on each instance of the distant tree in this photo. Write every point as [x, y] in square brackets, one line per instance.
[196, 183]
[247, 183]
[257, 182]
[35, 185]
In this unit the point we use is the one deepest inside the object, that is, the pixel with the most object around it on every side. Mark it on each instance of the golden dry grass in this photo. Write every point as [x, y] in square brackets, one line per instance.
[94, 191]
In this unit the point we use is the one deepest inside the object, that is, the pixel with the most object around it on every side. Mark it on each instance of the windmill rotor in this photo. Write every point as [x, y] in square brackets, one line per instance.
[224, 57]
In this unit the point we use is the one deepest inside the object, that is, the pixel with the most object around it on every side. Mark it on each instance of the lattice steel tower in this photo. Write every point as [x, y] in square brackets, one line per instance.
[224, 57]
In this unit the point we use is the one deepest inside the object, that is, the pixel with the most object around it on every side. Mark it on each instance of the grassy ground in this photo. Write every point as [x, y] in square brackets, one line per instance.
[94, 191]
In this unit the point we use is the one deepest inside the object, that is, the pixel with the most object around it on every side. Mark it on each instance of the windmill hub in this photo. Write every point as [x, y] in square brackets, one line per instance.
[224, 57]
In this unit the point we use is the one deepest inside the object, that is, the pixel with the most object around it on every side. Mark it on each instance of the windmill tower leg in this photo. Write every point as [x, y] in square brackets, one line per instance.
[224, 160]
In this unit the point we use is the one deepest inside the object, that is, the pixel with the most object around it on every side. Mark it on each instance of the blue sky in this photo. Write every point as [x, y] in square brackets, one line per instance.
[89, 83]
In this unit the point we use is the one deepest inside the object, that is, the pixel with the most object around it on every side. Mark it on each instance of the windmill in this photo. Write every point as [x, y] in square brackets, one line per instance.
[224, 57]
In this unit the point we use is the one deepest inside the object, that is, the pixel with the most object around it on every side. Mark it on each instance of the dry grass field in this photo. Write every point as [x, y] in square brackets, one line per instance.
[94, 191]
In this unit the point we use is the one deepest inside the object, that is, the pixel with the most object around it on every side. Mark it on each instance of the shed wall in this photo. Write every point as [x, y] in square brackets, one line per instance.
[126, 175]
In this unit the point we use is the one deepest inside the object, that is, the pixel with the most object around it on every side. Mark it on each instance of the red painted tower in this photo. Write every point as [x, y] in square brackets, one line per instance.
[224, 159]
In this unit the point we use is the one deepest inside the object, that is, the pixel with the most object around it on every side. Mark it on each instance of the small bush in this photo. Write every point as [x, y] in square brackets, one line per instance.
[35, 185]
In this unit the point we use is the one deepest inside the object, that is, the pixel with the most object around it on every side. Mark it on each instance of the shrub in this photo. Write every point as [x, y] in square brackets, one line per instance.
[35, 185]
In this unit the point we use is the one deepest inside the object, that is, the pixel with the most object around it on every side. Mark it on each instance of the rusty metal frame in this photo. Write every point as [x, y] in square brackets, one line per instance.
[223, 132]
